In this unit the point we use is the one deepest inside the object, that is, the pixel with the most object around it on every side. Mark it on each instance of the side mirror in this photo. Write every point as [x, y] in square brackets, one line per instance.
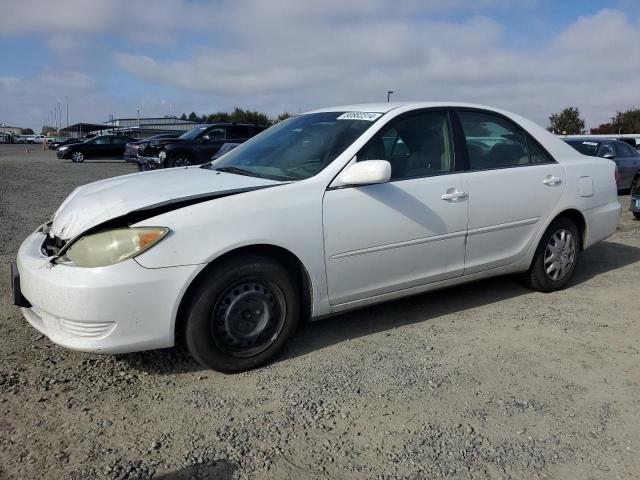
[610, 156]
[367, 172]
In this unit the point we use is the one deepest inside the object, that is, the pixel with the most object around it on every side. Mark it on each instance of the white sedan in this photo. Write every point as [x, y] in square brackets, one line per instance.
[325, 212]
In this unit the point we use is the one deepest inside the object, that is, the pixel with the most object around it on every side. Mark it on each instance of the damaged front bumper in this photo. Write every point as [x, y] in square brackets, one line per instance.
[116, 309]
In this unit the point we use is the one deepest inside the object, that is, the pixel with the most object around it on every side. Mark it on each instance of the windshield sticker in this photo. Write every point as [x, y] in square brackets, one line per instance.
[595, 144]
[366, 116]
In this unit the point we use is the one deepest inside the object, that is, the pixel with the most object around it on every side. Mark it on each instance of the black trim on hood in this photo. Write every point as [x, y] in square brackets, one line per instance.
[140, 214]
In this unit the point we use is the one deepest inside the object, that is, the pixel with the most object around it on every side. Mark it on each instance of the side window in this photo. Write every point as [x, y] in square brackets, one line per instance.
[416, 146]
[103, 141]
[493, 141]
[119, 140]
[238, 132]
[624, 150]
[214, 134]
[538, 155]
[606, 149]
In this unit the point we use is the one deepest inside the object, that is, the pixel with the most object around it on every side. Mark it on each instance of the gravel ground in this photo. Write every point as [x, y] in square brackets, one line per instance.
[488, 380]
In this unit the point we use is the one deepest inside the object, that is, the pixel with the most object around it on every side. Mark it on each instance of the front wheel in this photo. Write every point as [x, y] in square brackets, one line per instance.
[180, 160]
[556, 257]
[77, 157]
[242, 314]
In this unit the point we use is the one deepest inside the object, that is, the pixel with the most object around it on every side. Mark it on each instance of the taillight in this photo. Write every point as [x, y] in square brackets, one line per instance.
[616, 175]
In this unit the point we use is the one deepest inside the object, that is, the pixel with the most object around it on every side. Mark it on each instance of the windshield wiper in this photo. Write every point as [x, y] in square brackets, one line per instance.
[237, 171]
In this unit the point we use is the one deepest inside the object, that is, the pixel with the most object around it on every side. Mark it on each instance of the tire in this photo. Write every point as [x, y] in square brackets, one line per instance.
[180, 160]
[546, 257]
[222, 334]
[635, 190]
[77, 157]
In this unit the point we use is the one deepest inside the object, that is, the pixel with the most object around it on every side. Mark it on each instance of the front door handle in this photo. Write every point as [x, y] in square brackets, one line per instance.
[455, 195]
[551, 180]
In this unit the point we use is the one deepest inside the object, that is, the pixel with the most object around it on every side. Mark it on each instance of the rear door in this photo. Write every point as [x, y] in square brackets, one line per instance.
[514, 185]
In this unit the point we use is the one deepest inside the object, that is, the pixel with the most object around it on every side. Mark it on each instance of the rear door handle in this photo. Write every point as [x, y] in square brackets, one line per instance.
[455, 195]
[551, 181]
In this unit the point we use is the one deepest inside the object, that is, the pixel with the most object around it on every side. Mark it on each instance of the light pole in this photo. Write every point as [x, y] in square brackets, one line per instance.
[389, 93]
[59, 116]
[138, 110]
[67, 99]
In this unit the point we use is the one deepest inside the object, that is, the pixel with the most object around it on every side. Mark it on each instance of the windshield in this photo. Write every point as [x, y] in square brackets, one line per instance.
[194, 132]
[298, 147]
[585, 147]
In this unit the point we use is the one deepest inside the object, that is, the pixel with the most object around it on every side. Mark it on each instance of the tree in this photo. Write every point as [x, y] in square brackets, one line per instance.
[602, 129]
[183, 116]
[26, 131]
[567, 122]
[192, 117]
[281, 117]
[627, 121]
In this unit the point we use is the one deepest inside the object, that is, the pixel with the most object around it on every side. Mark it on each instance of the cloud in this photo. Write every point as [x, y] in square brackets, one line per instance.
[291, 56]
[302, 59]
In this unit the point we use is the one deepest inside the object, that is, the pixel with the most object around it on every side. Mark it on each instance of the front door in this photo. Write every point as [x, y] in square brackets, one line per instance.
[404, 233]
[514, 185]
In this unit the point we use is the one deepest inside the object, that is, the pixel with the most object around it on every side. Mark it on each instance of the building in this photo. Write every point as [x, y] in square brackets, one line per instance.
[144, 127]
[133, 127]
[9, 129]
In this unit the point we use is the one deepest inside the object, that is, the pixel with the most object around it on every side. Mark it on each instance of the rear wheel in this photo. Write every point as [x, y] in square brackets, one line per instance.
[556, 257]
[242, 314]
[77, 157]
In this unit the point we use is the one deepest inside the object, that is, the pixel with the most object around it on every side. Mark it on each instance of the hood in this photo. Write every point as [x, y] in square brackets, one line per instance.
[148, 194]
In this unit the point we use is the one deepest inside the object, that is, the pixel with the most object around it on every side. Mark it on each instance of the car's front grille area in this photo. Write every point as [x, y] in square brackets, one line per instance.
[52, 246]
[86, 329]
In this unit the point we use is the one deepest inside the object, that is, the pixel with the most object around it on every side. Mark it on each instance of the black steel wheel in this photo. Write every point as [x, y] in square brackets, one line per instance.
[241, 313]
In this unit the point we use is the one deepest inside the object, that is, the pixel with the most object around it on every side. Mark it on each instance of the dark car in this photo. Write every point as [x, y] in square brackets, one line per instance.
[624, 155]
[196, 146]
[103, 146]
[59, 142]
[132, 148]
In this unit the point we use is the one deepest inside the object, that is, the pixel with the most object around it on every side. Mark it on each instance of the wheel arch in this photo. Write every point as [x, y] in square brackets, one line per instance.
[578, 218]
[293, 264]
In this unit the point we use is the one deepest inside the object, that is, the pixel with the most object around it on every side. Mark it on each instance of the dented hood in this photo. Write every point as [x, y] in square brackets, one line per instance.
[100, 202]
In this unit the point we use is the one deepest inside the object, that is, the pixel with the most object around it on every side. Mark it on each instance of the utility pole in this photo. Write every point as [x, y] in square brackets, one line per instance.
[138, 110]
[389, 93]
[67, 99]
[59, 116]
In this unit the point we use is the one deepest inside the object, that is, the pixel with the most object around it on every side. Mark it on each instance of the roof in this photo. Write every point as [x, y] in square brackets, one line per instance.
[384, 107]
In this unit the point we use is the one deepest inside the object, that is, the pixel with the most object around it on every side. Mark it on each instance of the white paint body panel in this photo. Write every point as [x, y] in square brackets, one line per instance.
[359, 245]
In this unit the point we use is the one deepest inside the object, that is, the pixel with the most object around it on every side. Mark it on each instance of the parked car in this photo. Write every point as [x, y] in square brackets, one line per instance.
[61, 141]
[323, 213]
[36, 139]
[103, 146]
[195, 146]
[626, 158]
[635, 196]
[132, 148]
[226, 147]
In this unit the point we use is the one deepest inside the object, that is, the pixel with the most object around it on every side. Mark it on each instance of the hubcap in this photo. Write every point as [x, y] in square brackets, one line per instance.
[248, 318]
[77, 156]
[182, 162]
[560, 254]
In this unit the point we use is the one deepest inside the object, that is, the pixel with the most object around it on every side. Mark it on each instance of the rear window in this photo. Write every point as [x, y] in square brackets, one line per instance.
[585, 147]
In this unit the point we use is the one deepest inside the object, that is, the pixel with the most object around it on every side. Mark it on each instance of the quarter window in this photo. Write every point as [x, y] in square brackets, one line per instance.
[493, 141]
[416, 146]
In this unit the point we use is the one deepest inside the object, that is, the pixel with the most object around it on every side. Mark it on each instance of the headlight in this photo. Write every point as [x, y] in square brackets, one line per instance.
[162, 155]
[63, 148]
[110, 247]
